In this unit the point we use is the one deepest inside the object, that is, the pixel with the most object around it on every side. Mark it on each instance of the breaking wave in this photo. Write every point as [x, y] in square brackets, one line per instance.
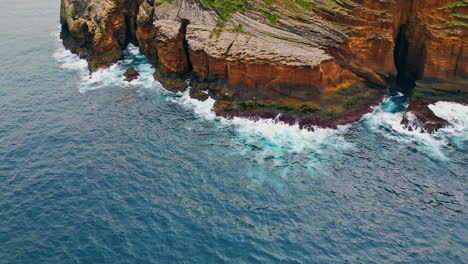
[386, 120]
[277, 143]
[455, 113]
[272, 143]
[268, 142]
[112, 76]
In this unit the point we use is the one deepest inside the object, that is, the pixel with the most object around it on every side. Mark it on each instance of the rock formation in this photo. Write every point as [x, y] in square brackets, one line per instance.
[131, 74]
[316, 62]
[98, 30]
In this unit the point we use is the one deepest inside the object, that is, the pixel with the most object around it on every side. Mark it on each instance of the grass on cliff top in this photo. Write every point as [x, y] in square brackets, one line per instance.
[272, 10]
[225, 8]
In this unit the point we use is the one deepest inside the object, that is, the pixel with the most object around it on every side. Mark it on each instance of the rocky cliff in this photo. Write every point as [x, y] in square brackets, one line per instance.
[316, 62]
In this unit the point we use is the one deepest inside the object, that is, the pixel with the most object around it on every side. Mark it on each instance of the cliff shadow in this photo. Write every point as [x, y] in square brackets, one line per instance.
[404, 82]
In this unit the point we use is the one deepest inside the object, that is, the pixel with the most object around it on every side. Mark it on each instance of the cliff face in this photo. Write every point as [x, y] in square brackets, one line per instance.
[98, 30]
[316, 60]
[429, 36]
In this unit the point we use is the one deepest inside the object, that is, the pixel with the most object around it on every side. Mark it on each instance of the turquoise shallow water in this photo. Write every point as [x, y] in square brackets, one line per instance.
[94, 170]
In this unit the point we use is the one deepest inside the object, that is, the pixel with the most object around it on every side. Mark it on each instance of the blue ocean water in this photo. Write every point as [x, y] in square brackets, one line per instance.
[96, 170]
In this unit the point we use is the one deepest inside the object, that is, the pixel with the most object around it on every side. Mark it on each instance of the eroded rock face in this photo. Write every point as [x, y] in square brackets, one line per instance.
[319, 63]
[98, 30]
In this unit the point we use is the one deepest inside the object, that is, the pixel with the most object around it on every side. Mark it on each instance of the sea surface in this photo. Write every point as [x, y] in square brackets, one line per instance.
[97, 170]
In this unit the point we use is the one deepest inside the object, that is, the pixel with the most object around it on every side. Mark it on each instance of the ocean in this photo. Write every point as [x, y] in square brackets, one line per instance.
[97, 170]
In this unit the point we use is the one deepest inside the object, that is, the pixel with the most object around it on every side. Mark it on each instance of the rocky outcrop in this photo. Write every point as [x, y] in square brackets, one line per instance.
[98, 30]
[314, 62]
[252, 67]
[131, 74]
[419, 116]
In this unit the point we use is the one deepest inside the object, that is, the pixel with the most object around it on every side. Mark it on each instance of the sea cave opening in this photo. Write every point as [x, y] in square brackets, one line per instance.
[404, 82]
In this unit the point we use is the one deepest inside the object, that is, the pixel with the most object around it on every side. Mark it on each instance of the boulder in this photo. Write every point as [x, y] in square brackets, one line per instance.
[131, 74]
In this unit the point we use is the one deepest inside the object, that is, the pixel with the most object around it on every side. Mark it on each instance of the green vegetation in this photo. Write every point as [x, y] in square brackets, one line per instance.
[458, 15]
[225, 8]
[273, 10]
[350, 101]
[456, 4]
[250, 105]
[238, 29]
[455, 19]
[160, 2]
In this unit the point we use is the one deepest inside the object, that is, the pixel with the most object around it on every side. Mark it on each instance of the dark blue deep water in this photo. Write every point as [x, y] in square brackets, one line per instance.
[93, 170]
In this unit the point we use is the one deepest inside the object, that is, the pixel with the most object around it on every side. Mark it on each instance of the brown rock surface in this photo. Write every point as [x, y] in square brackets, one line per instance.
[98, 30]
[131, 74]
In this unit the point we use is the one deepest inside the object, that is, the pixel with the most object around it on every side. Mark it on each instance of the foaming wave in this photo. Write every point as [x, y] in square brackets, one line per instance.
[277, 133]
[272, 143]
[386, 120]
[268, 142]
[203, 109]
[111, 76]
[456, 114]
[277, 146]
[69, 60]
[266, 139]
[287, 138]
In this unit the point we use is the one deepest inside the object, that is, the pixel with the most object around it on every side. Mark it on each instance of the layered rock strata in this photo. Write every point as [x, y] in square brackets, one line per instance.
[314, 62]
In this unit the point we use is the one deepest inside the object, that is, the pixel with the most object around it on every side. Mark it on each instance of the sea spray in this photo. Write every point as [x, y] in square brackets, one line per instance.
[457, 115]
[70, 61]
[111, 76]
[386, 120]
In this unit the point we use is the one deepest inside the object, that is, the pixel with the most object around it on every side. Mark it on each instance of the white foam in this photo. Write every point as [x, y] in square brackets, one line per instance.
[388, 124]
[69, 60]
[288, 138]
[203, 109]
[276, 135]
[270, 140]
[111, 76]
[456, 114]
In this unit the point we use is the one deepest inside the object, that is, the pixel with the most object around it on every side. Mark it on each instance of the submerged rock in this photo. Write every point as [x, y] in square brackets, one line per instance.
[420, 117]
[131, 74]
